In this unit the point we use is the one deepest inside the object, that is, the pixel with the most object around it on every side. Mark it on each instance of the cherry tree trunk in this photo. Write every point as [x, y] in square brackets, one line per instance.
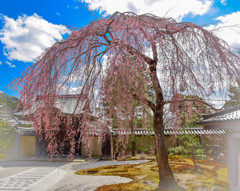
[166, 177]
[133, 148]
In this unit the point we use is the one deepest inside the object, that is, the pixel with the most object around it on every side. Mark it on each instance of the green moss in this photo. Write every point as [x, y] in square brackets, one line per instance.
[25, 125]
[176, 158]
[139, 157]
[222, 174]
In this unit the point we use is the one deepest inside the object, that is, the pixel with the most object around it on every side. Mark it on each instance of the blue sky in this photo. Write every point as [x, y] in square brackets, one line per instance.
[28, 27]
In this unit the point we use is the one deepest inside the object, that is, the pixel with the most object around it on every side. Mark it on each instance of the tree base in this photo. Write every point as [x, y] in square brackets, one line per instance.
[166, 186]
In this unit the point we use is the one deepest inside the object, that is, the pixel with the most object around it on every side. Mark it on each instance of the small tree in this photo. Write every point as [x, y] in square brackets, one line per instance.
[192, 147]
[6, 136]
[234, 95]
[188, 118]
[170, 55]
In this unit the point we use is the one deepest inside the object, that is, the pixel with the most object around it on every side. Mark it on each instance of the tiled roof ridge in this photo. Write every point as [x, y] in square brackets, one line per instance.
[147, 129]
[63, 96]
[222, 112]
[199, 131]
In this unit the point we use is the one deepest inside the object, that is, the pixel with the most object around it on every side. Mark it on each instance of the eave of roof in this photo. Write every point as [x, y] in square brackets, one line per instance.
[191, 131]
[25, 131]
[222, 117]
[172, 132]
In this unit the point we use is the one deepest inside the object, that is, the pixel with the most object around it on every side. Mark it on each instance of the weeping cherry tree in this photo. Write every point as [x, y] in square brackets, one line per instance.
[128, 58]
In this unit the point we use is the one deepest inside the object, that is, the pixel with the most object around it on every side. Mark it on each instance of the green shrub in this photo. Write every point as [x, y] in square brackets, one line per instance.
[180, 150]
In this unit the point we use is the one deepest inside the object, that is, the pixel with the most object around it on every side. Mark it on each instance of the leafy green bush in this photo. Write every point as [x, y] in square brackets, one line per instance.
[190, 148]
[6, 136]
[146, 148]
[180, 150]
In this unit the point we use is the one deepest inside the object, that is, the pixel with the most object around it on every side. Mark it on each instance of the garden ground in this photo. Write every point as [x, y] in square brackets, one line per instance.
[211, 175]
[130, 174]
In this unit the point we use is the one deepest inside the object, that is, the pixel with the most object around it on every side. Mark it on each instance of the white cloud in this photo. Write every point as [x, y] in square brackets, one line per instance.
[170, 8]
[0, 63]
[228, 28]
[28, 36]
[224, 2]
[10, 64]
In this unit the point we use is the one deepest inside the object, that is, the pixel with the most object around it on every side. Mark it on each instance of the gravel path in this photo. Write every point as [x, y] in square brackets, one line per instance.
[87, 183]
[75, 182]
[71, 181]
[8, 168]
[32, 179]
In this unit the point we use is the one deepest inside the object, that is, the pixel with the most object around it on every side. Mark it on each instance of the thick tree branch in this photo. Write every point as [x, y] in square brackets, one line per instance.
[193, 100]
[148, 102]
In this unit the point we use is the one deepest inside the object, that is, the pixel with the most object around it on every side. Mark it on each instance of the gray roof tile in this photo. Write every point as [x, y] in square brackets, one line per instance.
[194, 131]
[222, 116]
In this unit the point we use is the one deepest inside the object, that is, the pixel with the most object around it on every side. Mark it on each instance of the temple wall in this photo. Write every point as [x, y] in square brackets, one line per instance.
[28, 145]
[144, 143]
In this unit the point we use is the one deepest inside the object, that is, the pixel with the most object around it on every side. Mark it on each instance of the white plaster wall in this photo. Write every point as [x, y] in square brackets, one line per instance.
[234, 161]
